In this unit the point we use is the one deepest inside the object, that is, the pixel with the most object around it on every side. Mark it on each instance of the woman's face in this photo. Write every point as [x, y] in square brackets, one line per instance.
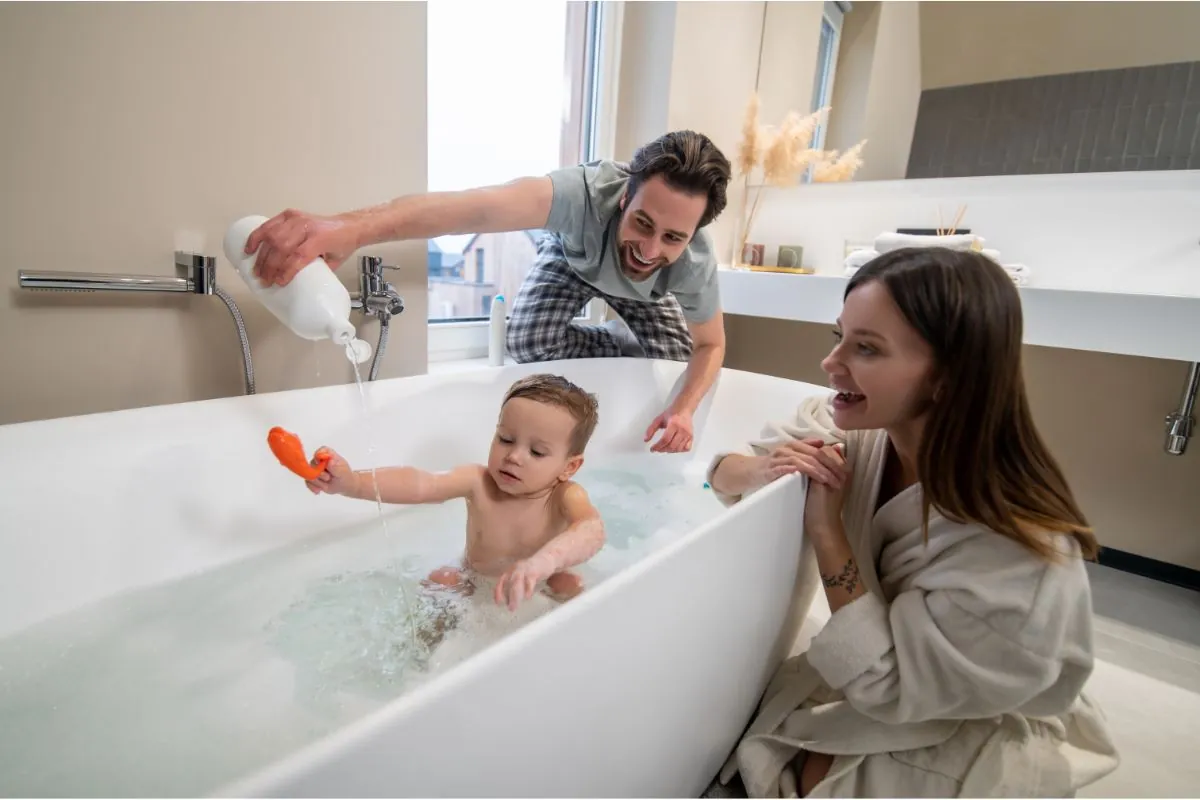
[880, 366]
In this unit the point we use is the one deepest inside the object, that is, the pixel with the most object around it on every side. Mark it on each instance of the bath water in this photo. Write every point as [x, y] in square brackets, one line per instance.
[183, 687]
[415, 650]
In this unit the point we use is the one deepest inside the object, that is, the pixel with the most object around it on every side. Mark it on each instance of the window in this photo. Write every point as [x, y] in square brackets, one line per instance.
[827, 54]
[534, 106]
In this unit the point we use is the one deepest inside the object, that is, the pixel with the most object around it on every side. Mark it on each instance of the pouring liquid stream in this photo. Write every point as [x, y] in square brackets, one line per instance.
[362, 393]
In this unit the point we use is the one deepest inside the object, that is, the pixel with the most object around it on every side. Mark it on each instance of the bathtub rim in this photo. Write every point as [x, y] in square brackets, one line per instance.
[324, 750]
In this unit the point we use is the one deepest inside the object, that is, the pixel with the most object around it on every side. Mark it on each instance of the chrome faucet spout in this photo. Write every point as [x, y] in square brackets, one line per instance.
[195, 274]
[99, 282]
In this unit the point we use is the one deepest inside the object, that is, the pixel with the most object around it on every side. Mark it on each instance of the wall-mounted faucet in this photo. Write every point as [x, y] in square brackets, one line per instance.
[376, 298]
[197, 274]
[1180, 423]
[194, 274]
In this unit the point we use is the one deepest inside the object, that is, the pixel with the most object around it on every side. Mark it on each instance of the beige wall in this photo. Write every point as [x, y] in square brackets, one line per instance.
[713, 68]
[644, 83]
[1102, 416]
[968, 42]
[129, 125]
[877, 87]
[788, 62]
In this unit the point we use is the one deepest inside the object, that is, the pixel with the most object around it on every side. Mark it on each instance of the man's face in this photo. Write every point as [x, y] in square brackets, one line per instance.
[656, 225]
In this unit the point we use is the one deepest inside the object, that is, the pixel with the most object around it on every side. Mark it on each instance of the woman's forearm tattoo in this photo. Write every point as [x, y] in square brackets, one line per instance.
[847, 578]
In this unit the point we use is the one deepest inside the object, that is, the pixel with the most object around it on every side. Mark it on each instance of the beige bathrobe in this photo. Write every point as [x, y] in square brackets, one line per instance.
[959, 673]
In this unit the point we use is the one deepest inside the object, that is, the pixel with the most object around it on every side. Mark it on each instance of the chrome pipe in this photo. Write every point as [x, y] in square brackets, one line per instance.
[376, 298]
[99, 282]
[1181, 423]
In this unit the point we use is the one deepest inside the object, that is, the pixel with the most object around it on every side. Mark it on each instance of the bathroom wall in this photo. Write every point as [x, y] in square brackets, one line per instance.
[1050, 87]
[132, 128]
[1102, 414]
[1135, 118]
[877, 86]
[980, 42]
[694, 65]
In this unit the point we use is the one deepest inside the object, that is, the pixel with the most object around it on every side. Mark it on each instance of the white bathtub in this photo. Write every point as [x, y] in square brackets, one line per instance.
[639, 687]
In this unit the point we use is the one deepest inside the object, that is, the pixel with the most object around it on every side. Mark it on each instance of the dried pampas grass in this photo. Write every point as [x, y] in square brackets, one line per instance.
[836, 167]
[786, 153]
[750, 147]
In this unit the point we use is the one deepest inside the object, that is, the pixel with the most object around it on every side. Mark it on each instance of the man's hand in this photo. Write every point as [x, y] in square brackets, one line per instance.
[289, 242]
[677, 436]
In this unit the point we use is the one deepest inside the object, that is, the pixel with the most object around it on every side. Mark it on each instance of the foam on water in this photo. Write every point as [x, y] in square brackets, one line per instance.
[180, 688]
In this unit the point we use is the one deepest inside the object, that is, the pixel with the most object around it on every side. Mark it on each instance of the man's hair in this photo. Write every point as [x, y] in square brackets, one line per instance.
[688, 162]
[556, 390]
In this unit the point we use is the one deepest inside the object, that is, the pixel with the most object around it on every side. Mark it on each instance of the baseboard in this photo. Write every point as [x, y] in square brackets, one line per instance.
[1174, 574]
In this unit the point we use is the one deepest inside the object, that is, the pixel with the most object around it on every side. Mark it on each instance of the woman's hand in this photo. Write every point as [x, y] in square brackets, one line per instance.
[811, 457]
[823, 506]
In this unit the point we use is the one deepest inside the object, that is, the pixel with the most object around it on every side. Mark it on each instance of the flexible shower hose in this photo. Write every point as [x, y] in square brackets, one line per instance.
[377, 359]
[247, 363]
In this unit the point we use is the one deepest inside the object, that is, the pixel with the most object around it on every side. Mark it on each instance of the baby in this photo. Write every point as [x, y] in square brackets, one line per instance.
[527, 521]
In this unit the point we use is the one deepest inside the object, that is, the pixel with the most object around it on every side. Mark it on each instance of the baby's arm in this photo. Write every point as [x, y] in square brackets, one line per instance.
[584, 535]
[402, 485]
[582, 539]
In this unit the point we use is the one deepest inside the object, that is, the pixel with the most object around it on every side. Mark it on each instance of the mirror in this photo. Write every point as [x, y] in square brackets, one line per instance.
[957, 89]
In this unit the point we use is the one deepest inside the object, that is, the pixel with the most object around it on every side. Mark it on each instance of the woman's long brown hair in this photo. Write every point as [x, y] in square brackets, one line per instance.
[981, 459]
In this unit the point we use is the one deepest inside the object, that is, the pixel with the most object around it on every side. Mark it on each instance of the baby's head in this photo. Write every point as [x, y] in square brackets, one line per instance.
[545, 424]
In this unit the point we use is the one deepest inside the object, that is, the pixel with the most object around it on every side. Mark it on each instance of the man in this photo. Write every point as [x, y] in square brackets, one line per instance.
[628, 234]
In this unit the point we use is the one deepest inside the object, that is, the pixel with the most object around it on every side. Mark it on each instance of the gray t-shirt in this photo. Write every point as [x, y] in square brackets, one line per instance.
[585, 213]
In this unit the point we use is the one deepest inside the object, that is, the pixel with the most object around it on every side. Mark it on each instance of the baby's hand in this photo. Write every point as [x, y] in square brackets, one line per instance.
[521, 579]
[337, 478]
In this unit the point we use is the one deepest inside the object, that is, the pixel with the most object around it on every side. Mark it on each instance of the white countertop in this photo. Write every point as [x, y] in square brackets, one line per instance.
[1148, 325]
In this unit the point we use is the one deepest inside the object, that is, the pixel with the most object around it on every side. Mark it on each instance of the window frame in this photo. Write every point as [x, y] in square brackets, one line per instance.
[833, 15]
[591, 123]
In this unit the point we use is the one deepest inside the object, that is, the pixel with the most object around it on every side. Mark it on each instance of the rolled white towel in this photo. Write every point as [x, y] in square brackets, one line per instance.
[994, 255]
[859, 258]
[894, 241]
[1019, 273]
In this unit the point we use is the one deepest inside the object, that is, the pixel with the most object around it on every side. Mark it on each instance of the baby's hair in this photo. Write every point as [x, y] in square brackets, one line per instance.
[556, 390]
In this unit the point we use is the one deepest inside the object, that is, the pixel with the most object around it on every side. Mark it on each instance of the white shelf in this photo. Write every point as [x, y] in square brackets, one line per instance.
[1148, 325]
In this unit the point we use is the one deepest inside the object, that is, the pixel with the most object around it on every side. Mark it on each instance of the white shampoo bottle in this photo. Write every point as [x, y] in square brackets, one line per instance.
[497, 331]
[314, 305]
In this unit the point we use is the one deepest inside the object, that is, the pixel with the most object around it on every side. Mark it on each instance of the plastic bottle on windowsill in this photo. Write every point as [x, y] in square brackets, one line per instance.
[314, 305]
[497, 329]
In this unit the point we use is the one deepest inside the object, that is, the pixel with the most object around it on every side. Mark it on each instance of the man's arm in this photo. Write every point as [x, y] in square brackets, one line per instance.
[518, 205]
[289, 241]
[708, 354]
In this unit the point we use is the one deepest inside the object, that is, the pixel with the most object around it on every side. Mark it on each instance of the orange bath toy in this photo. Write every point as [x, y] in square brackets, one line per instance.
[287, 448]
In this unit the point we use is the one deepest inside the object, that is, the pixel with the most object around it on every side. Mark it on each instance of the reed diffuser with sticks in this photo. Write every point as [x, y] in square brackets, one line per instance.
[785, 153]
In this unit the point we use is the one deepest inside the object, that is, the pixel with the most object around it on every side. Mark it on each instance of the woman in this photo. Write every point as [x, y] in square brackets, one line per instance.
[950, 550]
